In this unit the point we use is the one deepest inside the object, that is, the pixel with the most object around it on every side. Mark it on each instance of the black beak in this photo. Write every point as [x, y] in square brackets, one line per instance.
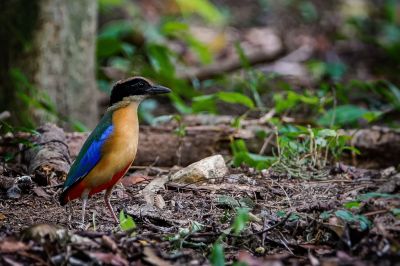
[157, 89]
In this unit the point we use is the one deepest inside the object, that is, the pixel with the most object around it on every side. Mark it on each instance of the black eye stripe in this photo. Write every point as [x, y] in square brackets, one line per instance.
[129, 87]
[140, 84]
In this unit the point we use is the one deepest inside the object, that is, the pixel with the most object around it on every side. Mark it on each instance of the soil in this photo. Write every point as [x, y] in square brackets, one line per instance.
[290, 221]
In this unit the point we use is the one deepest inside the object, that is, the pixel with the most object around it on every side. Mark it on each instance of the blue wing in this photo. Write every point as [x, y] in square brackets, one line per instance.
[90, 153]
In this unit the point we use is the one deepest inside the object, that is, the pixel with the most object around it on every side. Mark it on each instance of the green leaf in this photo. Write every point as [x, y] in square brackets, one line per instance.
[240, 221]
[372, 116]
[128, 49]
[180, 104]
[308, 11]
[253, 160]
[246, 203]
[294, 217]
[229, 201]
[195, 227]
[217, 255]
[126, 222]
[238, 146]
[336, 70]
[325, 215]
[321, 142]
[116, 29]
[372, 195]
[108, 46]
[159, 56]
[202, 7]
[174, 27]
[326, 133]
[396, 211]
[343, 115]
[345, 215]
[364, 222]
[352, 205]
[200, 49]
[204, 103]
[103, 4]
[291, 100]
[351, 149]
[235, 97]
[281, 214]
[394, 94]
[244, 61]
[349, 217]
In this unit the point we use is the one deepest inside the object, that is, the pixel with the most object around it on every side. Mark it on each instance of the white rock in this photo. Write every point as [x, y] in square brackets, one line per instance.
[209, 168]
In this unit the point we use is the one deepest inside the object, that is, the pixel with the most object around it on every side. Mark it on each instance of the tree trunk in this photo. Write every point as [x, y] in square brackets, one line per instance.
[47, 64]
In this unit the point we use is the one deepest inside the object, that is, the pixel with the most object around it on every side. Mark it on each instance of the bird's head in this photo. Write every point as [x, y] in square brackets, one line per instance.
[134, 89]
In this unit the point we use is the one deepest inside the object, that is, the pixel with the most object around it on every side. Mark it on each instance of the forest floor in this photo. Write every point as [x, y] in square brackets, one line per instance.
[290, 221]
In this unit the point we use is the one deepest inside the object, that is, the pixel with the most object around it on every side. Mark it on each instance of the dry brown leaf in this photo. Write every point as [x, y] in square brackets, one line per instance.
[159, 202]
[251, 260]
[10, 246]
[134, 179]
[39, 191]
[108, 242]
[152, 188]
[153, 259]
[109, 258]
[336, 225]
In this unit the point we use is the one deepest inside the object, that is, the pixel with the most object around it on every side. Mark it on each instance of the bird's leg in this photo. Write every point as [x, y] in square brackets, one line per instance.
[107, 201]
[70, 209]
[84, 196]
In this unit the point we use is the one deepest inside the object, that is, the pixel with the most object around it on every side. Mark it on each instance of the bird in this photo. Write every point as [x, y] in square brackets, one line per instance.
[110, 149]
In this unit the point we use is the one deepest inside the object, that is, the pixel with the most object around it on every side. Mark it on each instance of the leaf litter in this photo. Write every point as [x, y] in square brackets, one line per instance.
[254, 217]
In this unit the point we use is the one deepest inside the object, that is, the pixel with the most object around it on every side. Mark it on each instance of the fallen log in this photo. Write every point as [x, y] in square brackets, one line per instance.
[49, 154]
[208, 135]
[161, 146]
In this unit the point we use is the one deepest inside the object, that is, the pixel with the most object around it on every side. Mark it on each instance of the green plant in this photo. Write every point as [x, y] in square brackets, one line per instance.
[253, 80]
[180, 239]
[374, 195]
[241, 155]
[396, 212]
[241, 220]
[126, 222]
[304, 152]
[209, 102]
[290, 99]
[16, 141]
[346, 115]
[352, 205]
[217, 257]
[347, 216]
